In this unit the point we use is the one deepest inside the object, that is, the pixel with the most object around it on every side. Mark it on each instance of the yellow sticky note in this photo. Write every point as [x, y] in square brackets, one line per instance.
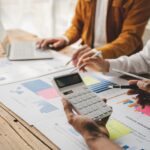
[117, 129]
[90, 81]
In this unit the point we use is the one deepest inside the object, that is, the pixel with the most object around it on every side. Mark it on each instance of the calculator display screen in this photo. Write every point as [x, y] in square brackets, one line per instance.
[68, 80]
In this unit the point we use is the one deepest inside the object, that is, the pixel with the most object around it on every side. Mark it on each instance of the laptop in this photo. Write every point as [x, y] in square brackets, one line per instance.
[23, 50]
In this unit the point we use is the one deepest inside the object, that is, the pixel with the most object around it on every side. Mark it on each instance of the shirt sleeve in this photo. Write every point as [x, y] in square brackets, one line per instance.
[137, 63]
[129, 40]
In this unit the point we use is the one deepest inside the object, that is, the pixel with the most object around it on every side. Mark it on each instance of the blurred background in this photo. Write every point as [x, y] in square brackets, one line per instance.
[41, 17]
[45, 18]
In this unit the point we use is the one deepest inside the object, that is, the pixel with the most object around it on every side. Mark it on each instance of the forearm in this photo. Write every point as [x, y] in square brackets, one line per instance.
[75, 30]
[137, 63]
[101, 143]
[125, 44]
[73, 34]
[130, 38]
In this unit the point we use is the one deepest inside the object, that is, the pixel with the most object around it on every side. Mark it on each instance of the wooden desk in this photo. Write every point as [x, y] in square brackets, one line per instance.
[16, 134]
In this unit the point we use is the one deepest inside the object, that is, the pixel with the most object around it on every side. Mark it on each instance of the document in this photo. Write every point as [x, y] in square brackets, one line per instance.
[14, 71]
[27, 89]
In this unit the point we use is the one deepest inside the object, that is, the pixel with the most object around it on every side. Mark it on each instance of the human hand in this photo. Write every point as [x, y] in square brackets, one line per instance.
[55, 43]
[85, 126]
[143, 95]
[79, 53]
[95, 63]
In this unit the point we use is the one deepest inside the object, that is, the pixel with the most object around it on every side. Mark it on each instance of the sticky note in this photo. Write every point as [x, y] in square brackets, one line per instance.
[90, 81]
[117, 129]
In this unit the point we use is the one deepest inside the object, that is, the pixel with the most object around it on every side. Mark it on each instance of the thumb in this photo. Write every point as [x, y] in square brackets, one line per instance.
[144, 85]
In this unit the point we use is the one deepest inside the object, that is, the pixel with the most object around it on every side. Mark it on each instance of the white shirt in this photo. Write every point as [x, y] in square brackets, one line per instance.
[137, 63]
[100, 37]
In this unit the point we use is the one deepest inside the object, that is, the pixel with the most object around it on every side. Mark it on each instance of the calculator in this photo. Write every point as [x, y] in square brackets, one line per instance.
[85, 102]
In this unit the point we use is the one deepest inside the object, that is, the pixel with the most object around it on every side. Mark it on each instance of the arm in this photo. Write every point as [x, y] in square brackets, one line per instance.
[101, 143]
[95, 136]
[74, 32]
[137, 63]
[133, 27]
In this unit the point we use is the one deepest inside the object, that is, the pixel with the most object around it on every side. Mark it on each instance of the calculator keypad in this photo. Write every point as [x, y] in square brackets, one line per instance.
[89, 104]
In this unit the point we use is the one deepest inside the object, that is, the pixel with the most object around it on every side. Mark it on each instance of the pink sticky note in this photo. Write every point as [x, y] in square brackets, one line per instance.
[146, 110]
[48, 93]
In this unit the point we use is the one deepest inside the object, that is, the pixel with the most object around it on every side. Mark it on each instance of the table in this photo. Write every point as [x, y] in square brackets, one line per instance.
[15, 133]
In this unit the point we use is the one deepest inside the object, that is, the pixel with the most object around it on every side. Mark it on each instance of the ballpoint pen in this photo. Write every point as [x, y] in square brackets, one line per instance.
[80, 46]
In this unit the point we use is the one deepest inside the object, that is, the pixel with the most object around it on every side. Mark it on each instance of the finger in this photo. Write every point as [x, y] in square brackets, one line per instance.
[47, 42]
[103, 121]
[144, 85]
[85, 56]
[132, 82]
[78, 51]
[131, 92]
[38, 43]
[77, 54]
[68, 111]
[58, 44]
[80, 55]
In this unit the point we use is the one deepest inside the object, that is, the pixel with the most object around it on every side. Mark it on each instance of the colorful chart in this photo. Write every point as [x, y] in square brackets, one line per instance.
[41, 88]
[117, 129]
[46, 107]
[96, 84]
[145, 110]
[131, 104]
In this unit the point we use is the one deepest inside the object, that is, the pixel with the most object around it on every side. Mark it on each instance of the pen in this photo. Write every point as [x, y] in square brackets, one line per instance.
[134, 87]
[68, 62]
[97, 54]
[80, 46]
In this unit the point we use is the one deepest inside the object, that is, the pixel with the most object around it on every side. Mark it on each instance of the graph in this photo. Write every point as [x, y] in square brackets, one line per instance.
[41, 88]
[96, 84]
[45, 107]
[132, 104]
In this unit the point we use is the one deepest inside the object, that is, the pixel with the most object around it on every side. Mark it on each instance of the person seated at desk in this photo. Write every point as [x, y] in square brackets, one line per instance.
[114, 27]
[94, 133]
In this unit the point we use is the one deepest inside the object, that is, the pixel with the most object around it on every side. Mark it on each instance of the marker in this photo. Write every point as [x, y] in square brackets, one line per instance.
[97, 54]
[129, 74]
[134, 87]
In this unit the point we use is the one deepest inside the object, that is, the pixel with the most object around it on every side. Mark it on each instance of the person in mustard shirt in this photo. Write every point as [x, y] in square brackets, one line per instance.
[115, 27]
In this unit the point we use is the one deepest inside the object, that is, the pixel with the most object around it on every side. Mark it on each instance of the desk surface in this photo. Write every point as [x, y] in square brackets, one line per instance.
[16, 134]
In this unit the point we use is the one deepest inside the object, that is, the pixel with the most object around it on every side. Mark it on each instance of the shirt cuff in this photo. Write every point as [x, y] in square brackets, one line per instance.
[114, 63]
[66, 39]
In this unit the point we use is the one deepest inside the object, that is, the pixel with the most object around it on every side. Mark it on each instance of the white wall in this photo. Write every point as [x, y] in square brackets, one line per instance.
[42, 17]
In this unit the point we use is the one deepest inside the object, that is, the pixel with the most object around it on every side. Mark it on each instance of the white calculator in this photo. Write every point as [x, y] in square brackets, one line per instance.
[72, 87]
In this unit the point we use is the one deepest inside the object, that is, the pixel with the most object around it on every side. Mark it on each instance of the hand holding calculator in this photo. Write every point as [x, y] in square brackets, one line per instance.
[72, 87]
